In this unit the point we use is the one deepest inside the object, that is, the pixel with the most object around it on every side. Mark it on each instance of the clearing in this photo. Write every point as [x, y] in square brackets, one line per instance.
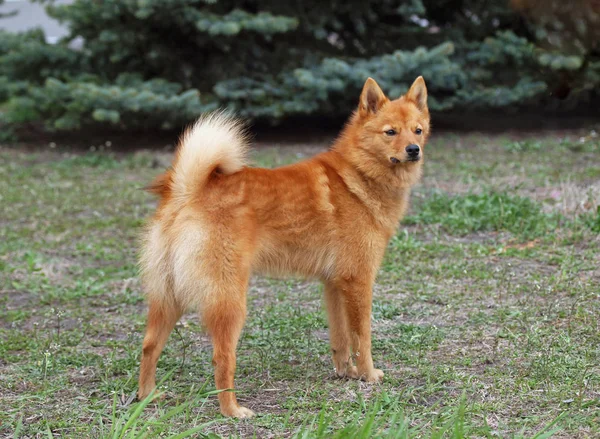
[486, 316]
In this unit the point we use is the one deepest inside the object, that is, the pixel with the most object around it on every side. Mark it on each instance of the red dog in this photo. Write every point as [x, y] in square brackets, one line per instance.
[328, 217]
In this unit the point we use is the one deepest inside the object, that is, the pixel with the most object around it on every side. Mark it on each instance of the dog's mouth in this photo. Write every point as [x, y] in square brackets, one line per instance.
[395, 160]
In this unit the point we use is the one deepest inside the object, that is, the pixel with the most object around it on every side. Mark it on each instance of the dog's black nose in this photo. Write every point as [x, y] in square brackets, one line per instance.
[413, 150]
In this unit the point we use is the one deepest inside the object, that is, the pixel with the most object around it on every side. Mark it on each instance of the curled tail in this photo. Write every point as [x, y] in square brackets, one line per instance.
[216, 142]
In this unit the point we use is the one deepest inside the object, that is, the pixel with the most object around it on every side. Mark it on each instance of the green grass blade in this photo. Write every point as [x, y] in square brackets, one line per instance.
[192, 431]
[18, 428]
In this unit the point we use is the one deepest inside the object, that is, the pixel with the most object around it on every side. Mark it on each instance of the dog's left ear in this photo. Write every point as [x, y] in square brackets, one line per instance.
[418, 93]
[371, 98]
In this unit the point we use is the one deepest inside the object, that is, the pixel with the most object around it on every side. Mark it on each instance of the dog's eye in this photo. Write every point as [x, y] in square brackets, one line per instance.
[418, 131]
[390, 132]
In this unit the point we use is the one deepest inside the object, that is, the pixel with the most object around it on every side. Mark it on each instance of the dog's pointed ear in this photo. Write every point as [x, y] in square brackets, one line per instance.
[371, 98]
[418, 93]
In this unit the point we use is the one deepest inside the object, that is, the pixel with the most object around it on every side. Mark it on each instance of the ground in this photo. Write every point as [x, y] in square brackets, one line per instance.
[486, 314]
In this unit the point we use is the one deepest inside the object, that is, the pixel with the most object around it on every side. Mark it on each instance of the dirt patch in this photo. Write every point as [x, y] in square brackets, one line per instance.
[568, 198]
[16, 299]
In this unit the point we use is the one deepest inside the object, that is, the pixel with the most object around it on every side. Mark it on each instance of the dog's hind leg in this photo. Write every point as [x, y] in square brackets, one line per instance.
[162, 317]
[339, 332]
[224, 318]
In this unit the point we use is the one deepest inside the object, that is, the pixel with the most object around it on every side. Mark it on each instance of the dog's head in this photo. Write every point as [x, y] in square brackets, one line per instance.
[391, 134]
[396, 130]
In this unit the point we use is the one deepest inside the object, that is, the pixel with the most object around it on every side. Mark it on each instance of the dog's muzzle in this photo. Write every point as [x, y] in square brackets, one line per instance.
[413, 154]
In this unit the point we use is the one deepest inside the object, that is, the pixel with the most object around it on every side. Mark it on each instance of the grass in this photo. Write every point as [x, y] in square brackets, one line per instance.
[486, 316]
[484, 212]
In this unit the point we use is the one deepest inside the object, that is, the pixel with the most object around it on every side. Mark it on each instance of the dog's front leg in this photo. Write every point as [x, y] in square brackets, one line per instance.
[357, 296]
[339, 332]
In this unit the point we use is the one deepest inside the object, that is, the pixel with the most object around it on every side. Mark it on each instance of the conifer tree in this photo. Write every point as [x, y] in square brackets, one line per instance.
[143, 64]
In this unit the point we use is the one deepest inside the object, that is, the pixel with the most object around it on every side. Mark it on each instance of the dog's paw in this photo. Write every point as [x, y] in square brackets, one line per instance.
[373, 376]
[238, 412]
[144, 392]
[347, 372]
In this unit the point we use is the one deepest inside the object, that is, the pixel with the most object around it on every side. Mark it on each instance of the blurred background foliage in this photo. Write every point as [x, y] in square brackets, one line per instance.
[147, 64]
